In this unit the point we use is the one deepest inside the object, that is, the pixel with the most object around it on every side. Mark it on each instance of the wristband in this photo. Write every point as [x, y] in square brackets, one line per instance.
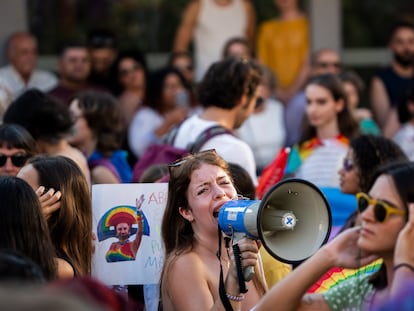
[235, 298]
[403, 264]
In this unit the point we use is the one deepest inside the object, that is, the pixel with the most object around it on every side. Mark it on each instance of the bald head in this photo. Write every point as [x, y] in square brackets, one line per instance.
[22, 53]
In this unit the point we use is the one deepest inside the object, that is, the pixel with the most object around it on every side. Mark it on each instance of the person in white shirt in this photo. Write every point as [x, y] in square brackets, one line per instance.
[264, 130]
[21, 73]
[405, 135]
[228, 93]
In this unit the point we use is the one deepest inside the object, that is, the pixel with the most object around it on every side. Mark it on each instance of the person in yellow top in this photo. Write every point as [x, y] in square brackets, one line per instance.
[283, 45]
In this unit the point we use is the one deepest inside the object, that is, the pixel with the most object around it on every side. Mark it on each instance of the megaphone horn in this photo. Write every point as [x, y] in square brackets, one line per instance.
[293, 220]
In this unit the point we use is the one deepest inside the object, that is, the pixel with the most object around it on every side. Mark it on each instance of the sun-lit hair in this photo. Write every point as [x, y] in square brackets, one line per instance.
[71, 225]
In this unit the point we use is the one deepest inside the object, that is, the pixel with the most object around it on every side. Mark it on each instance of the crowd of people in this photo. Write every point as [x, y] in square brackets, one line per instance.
[286, 111]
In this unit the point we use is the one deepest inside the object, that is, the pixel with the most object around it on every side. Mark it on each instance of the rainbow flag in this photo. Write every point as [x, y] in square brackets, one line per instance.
[338, 275]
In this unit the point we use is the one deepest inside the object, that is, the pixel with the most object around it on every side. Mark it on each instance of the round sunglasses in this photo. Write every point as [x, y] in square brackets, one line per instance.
[348, 165]
[18, 160]
[382, 210]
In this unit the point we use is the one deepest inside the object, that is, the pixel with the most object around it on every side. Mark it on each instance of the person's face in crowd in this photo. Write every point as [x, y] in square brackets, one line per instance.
[328, 61]
[13, 158]
[102, 59]
[185, 65]
[351, 94]
[81, 132]
[402, 46]
[75, 65]
[29, 174]
[321, 107]
[349, 175]
[238, 49]
[172, 87]
[123, 231]
[209, 188]
[286, 4]
[131, 74]
[379, 237]
[23, 54]
[246, 108]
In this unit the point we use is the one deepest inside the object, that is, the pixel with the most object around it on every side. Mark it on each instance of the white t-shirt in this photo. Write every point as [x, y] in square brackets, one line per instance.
[322, 166]
[229, 147]
[12, 84]
[141, 131]
[39, 79]
[265, 132]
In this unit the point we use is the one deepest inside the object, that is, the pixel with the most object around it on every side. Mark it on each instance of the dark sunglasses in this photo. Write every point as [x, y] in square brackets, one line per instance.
[329, 64]
[102, 42]
[382, 210]
[127, 71]
[259, 102]
[185, 68]
[348, 165]
[18, 160]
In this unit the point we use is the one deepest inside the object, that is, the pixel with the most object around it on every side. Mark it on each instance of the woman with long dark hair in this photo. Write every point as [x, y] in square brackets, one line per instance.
[70, 225]
[22, 225]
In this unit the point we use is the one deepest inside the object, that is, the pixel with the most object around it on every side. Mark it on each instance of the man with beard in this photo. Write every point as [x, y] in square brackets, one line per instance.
[228, 94]
[124, 249]
[390, 83]
[74, 67]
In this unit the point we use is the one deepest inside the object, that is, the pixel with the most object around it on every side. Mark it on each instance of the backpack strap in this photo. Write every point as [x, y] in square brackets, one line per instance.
[169, 138]
[206, 135]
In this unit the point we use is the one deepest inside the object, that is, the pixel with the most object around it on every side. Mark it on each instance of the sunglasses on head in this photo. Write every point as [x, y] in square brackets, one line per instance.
[18, 160]
[181, 161]
[348, 165]
[382, 210]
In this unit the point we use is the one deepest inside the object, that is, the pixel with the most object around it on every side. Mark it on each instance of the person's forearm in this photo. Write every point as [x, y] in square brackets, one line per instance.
[403, 274]
[182, 40]
[288, 293]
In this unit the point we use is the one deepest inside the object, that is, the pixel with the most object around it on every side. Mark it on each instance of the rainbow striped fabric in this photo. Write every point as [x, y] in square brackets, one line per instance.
[336, 276]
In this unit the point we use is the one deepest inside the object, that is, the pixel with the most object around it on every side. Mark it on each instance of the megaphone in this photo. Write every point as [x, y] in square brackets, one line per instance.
[293, 221]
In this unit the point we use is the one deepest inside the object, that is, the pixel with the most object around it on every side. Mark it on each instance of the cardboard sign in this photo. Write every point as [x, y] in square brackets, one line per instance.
[127, 223]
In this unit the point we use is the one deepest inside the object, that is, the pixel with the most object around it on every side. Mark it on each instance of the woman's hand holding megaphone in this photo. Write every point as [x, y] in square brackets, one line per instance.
[247, 254]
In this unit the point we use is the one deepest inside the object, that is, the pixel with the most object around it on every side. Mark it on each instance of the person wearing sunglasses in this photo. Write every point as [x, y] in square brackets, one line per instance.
[386, 231]
[130, 70]
[16, 147]
[366, 153]
[198, 187]
[183, 61]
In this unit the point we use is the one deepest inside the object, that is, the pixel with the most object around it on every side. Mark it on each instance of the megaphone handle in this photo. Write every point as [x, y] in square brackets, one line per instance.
[240, 275]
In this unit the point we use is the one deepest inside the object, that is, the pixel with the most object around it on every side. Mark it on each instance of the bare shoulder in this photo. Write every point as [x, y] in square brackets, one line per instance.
[192, 8]
[64, 269]
[248, 5]
[187, 262]
[188, 267]
[102, 175]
